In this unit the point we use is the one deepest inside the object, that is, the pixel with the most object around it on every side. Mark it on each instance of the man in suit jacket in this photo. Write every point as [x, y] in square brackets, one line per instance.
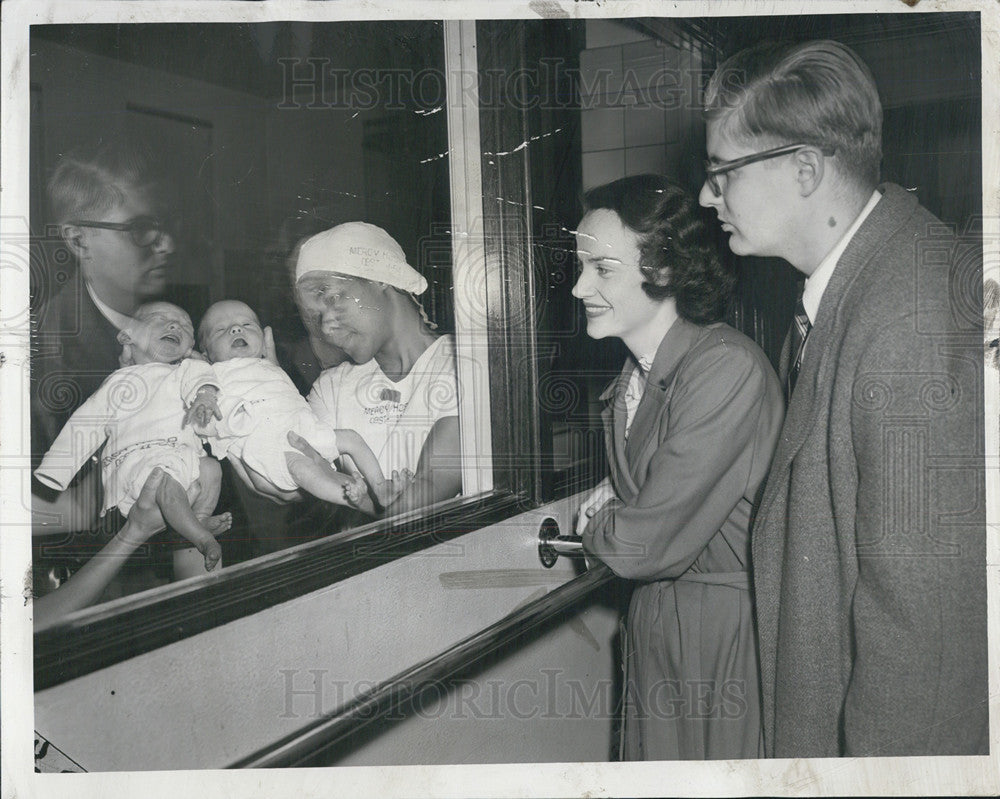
[869, 541]
[104, 201]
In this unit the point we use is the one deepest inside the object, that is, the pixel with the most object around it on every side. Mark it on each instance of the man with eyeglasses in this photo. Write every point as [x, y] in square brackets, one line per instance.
[869, 541]
[104, 201]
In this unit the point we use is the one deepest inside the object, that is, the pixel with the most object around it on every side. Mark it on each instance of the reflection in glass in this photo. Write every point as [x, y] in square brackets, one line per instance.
[260, 136]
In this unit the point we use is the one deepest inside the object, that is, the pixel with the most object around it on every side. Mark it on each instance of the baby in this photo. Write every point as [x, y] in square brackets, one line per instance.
[257, 405]
[139, 411]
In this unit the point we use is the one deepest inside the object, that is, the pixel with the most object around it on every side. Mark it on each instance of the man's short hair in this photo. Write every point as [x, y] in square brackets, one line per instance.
[92, 180]
[817, 92]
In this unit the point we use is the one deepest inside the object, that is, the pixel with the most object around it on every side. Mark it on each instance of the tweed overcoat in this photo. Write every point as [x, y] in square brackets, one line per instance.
[869, 542]
[685, 479]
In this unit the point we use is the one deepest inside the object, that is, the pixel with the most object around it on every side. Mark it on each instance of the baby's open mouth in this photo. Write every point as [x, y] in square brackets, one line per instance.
[173, 338]
[240, 342]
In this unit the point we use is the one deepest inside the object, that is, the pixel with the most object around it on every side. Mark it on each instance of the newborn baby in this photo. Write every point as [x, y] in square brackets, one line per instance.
[139, 411]
[257, 405]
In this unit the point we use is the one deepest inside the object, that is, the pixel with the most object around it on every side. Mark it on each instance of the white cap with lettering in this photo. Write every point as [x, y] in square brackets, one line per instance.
[361, 250]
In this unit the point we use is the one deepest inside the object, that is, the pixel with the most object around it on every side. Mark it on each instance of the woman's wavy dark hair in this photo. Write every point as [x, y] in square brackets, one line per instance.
[677, 255]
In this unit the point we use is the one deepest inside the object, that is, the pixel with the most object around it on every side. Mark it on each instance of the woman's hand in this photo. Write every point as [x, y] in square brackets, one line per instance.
[86, 586]
[144, 520]
[270, 351]
[601, 494]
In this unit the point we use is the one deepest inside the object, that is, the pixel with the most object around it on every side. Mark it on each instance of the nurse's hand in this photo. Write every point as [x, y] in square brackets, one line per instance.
[602, 493]
[270, 351]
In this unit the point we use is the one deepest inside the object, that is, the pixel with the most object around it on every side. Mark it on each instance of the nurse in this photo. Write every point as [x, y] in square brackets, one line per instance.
[397, 386]
[690, 427]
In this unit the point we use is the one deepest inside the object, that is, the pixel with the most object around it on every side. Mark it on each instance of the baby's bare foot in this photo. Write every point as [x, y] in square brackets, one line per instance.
[355, 490]
[217, 525]
[387, 491]
[213, 554]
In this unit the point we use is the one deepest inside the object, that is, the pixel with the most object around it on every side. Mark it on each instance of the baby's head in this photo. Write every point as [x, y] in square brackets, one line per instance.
[159, 332]
[230, 329]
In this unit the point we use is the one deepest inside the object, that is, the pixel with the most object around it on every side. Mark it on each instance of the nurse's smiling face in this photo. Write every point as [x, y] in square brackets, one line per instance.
[610, 282]
[348, 312]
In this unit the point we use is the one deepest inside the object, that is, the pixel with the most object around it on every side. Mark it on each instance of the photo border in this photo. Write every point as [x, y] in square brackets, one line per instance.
[844, 776]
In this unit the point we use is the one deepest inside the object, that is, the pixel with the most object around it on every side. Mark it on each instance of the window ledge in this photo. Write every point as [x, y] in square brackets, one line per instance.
[98, 637]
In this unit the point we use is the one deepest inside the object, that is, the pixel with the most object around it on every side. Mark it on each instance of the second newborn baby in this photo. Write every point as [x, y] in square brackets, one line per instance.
[257, 405]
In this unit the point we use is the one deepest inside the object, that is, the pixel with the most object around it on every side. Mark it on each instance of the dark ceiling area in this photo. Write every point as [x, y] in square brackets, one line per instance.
[727, 35]
[733, 34]
[245, 57]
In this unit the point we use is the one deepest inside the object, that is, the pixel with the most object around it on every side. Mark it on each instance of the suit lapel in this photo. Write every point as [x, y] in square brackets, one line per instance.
[613, 416]
[784, 360]
[643, 437]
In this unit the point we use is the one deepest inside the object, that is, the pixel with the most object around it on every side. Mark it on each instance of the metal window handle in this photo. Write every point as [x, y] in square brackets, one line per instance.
[551, 544]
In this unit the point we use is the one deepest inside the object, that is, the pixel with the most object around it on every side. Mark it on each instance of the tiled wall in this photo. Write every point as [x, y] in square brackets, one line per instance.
[639, 101]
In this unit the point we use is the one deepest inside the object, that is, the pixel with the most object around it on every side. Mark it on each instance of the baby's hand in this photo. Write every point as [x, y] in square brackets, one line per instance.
[203, 408]
[355, 490]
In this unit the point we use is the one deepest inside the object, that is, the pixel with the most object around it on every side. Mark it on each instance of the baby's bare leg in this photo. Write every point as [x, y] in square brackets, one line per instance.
[204, 496]
[322, 483]
[173, 502]
[385, 490]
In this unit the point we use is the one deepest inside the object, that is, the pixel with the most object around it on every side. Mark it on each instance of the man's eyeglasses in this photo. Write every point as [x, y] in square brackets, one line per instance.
[714, 169]
[145, 231]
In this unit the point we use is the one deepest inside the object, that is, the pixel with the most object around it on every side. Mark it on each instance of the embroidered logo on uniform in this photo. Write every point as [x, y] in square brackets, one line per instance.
[118, 456]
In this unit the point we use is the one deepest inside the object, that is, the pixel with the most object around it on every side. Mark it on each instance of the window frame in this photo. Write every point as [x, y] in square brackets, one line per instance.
[497, 356]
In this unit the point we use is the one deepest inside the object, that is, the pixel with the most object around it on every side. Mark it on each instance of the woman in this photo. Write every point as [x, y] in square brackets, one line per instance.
[690, 426]
[398, 386]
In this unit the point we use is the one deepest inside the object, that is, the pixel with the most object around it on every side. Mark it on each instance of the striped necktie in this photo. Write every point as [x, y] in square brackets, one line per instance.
[800, 332]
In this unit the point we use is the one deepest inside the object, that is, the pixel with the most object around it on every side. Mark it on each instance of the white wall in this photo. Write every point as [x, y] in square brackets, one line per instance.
[640, 104]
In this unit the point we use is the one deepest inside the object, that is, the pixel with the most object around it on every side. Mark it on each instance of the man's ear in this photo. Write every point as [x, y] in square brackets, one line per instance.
[124, 337]
[810, 164]
[74, 238]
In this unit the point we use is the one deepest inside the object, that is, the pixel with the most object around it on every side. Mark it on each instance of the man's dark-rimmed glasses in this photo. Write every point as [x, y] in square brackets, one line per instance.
[145, 231]
[716, 168]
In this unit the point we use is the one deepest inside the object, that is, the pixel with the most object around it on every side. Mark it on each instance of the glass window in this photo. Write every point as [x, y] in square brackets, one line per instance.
[469, 144]
[238, 142]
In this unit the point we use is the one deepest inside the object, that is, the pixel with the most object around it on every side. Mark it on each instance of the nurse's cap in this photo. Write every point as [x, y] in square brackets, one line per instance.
[359, 250]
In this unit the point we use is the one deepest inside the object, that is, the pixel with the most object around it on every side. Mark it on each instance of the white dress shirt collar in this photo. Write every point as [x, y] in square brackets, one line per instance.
[817, 282]
[119, 320]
